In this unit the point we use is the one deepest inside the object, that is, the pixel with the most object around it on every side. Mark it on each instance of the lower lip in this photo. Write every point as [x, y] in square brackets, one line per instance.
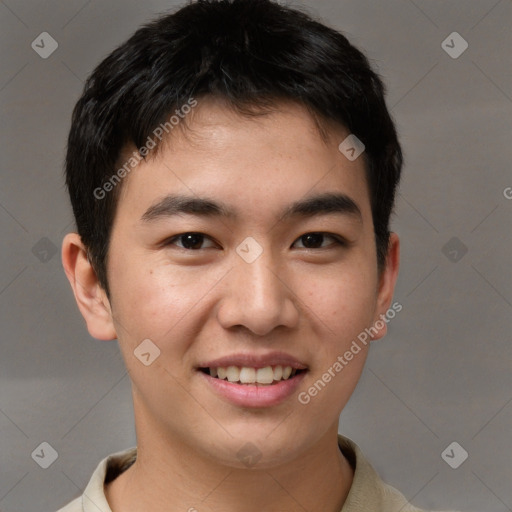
[248, 395]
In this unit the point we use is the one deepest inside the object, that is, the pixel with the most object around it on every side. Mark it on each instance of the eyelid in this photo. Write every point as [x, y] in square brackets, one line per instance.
[172, 239]
[339, 240]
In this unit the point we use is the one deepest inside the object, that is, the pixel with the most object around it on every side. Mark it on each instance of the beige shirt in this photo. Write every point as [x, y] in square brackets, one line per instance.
[368, 492]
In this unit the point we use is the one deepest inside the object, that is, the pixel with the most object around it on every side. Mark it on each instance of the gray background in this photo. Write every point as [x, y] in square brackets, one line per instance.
[442, 374]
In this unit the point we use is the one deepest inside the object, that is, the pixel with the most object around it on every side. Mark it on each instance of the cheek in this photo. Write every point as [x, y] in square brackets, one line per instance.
[154, 300]
[343, 302]
[340, 308]
[157, 303]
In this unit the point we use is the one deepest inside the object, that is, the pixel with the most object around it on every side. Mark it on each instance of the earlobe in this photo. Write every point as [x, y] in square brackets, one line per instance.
[386, 287]
[89, 295]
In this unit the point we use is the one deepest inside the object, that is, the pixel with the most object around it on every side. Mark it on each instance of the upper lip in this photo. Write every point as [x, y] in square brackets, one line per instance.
[255, 361]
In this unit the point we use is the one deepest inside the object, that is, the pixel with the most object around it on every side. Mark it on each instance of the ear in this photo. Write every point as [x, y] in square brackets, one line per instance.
[89, 295]
[386, 287]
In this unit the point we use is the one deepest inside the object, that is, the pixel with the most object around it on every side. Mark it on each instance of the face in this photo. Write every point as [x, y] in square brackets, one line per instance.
[249, 241]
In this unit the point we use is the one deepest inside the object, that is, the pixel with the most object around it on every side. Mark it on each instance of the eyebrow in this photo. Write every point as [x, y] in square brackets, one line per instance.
[322, 204]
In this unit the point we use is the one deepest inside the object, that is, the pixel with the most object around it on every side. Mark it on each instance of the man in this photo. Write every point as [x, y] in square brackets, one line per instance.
[232, 169]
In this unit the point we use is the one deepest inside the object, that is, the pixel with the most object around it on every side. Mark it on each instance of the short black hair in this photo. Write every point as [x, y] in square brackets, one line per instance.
[253, 54]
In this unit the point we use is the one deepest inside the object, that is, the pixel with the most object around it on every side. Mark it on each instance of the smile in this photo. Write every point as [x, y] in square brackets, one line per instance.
[252, 394]
[267, 376]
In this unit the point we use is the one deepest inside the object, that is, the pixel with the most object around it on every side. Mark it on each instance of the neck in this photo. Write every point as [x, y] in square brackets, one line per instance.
[168, 477]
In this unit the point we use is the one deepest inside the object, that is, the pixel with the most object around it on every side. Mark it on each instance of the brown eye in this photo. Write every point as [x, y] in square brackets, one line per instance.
[190, 241]
[314, 240]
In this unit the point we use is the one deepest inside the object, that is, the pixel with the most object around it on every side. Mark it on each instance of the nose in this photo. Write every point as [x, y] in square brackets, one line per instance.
[257, 298]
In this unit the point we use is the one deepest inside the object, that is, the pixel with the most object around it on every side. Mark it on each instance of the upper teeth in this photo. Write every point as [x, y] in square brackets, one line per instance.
[247, 375]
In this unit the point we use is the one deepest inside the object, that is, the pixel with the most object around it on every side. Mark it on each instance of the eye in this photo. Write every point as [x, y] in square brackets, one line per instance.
[190, 241]
[314, 240]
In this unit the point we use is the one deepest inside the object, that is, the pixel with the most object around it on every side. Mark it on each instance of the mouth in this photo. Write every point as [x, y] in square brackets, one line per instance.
[248, 376]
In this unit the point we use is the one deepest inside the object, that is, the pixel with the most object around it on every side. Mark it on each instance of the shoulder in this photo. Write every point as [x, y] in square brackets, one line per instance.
[93, 497]
[368, 491]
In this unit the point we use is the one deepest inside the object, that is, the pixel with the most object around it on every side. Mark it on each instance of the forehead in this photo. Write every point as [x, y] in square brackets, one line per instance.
[254, 165]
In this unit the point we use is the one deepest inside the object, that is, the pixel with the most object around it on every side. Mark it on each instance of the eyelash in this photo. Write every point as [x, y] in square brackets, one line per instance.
[337, 239]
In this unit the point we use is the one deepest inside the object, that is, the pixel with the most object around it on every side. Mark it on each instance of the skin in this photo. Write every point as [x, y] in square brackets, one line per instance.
[200, 304]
